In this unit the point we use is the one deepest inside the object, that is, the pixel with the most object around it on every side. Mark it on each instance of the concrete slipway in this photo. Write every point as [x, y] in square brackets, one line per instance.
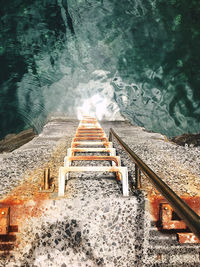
[93, 225]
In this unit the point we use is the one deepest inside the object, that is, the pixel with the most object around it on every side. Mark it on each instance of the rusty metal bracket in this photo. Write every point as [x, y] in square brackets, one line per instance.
[51, 190]
[4, 220]
[184, 211]
[169, 220]
[45, 183]
[187, 238]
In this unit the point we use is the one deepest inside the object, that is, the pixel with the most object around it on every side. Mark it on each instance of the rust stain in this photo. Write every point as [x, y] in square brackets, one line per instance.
[23, 204]
[188, 238]
[25, 201]
[166, 222]
[156, 200]
[155, 205]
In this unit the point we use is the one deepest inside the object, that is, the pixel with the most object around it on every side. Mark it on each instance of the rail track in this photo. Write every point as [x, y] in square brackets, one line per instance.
[90, 133]
[125, 234]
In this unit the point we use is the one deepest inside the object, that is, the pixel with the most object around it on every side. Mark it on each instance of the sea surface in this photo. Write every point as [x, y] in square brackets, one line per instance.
[137, 58]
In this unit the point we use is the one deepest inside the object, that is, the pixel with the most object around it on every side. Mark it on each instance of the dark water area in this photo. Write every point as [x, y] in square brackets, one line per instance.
[139, 58]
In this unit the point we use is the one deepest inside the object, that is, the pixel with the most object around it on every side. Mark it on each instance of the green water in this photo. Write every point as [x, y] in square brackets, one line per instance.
[139, 57]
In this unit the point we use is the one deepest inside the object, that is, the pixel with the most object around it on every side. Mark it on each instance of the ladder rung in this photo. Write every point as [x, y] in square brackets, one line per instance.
[90, 129]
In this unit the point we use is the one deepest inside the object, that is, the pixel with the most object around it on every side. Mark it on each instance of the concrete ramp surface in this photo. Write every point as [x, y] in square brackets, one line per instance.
[93, 224]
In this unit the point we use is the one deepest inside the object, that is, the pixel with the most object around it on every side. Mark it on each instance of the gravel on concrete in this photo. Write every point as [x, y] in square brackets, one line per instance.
[94, 225]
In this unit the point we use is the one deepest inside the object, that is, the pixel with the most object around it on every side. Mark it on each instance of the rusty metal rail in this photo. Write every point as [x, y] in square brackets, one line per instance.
[191, 218]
